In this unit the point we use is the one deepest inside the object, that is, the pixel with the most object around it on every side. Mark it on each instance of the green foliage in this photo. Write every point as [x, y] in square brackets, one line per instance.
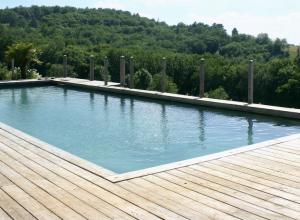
[219, 93]
[155, 85]
[32, 74]
[5, 74]
[24, 54]
[142, 79]
[57, 70]
[79, 33]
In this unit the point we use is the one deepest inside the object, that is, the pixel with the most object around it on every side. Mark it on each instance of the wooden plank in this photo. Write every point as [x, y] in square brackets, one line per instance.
[4, 181]
[73, 189]
[267, 186]
[263, 155]
[185, 199]
[293, 143]
[261, 167]
[280, 154]
[128, 207]
[57, 192]
[12, 208]
[213, 203]
[279, 167]
[33, 206]
[256, 173]
[41, 196]
[287, 145]
[4, 215]
[241, 188]
[231, 186]
[227, 195]
[163, 201]
[286, 149]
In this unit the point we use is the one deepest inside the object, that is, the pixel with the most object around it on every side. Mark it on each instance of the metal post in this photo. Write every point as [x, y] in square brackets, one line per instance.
[131, 83]
[122, 71]
[92, 67]
[65, 66]
[202, 78]
[250, 81]
[105, 71]
[163, 75]
[12, 69]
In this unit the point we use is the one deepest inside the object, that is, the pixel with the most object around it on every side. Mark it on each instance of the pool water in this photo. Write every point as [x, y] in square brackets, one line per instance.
[123, 133]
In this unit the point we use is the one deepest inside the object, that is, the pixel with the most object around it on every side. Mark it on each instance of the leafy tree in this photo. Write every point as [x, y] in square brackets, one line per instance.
[279, 47]
[234, 34]
[24, 54]
[298, 57]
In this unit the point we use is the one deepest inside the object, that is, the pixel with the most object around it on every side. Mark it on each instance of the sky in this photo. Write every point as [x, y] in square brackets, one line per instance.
[278, 18]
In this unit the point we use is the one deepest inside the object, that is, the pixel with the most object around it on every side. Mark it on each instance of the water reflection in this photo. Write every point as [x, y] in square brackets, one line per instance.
[65, 94]
[92, 100]
[106, 111]
[105, 100]
[131, 113]
[13, 96]
[164, 124]
[202, 129]
[122, 104]
[24, 97]
[250, 130]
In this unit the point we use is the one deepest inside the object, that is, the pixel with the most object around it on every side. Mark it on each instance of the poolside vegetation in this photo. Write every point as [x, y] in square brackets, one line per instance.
[45, 34]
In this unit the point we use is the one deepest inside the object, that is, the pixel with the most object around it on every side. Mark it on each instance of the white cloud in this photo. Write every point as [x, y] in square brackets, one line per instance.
[283, 26]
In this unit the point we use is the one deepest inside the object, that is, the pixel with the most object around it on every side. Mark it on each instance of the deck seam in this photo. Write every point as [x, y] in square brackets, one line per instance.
[27, 195]
[264, 190]
[228, 213]
[228, 195]
[16, 203]
[32, 182]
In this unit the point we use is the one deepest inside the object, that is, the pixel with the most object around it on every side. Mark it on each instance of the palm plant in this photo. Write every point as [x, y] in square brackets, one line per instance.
[24, 54]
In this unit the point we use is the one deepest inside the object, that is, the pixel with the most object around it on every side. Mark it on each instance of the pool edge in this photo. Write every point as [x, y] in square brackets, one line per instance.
[269, 110]
[114, 177]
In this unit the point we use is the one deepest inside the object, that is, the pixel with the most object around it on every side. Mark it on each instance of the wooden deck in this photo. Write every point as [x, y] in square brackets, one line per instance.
[39, 183]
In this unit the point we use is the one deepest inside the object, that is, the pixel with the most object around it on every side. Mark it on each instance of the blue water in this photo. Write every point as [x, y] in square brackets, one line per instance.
[122, 133]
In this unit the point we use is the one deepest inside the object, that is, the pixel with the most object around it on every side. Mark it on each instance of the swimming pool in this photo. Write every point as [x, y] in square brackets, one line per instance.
[123, 133]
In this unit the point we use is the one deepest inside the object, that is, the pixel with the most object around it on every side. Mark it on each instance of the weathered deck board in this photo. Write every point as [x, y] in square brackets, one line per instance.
[4, 215]
[260, 183]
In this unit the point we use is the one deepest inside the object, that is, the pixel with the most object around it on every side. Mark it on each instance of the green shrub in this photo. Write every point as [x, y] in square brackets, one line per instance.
[32, 74]
[57, 70]
[5, 74]
[171, 87]
[219, 93]
[142, 79]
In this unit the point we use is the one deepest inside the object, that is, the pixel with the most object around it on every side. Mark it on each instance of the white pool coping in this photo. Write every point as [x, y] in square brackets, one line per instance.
[215, 103]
